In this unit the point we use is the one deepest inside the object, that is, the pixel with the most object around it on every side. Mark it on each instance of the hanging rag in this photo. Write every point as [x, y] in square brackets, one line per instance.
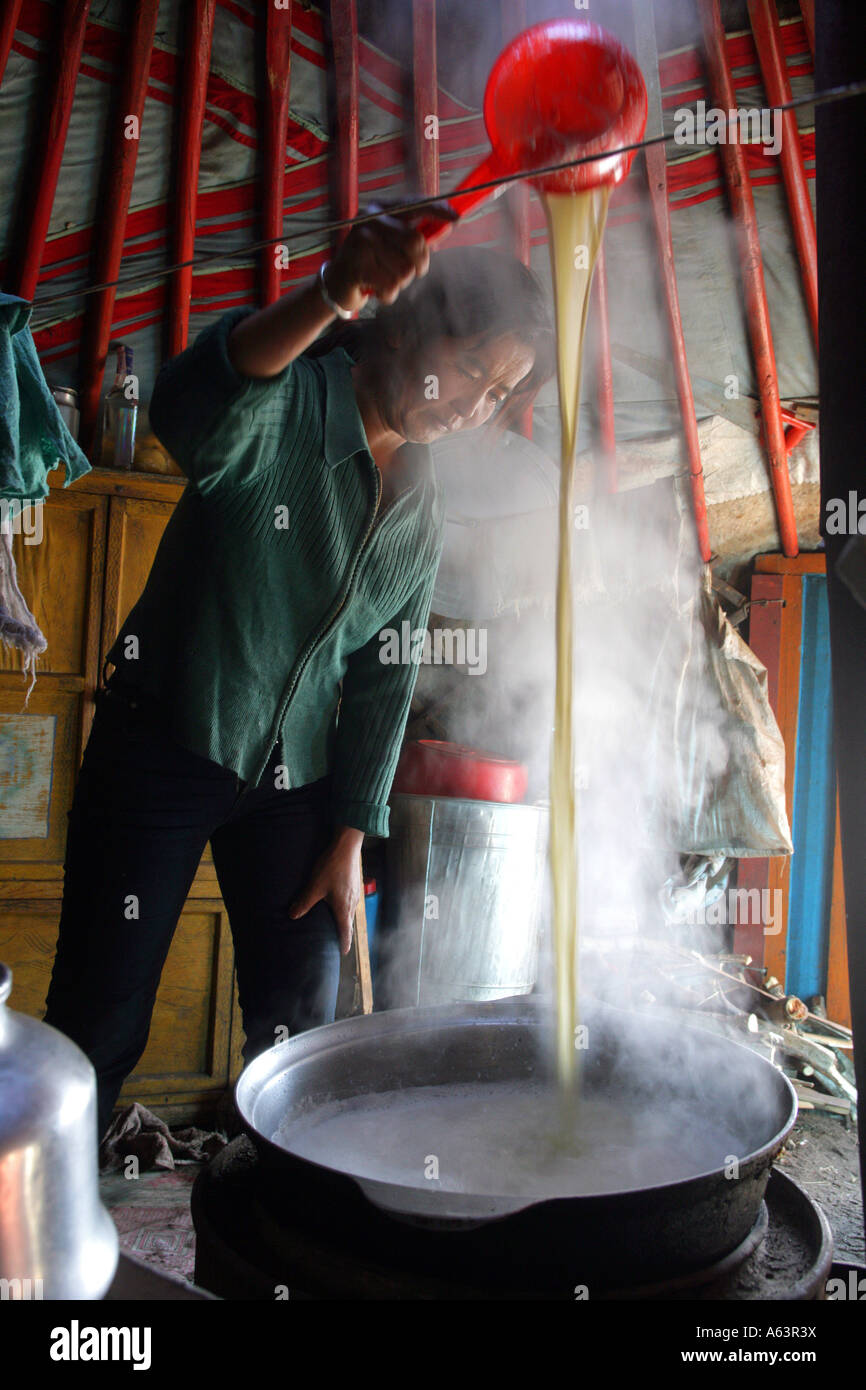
[34, 439]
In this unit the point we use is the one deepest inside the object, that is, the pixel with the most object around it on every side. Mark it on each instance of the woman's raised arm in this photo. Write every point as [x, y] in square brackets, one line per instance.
[379, 258]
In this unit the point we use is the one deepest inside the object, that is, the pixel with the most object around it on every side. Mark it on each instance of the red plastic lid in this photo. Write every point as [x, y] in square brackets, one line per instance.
[462, 750]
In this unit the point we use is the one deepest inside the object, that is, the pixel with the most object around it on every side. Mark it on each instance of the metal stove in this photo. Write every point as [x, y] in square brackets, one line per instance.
[253, 1244]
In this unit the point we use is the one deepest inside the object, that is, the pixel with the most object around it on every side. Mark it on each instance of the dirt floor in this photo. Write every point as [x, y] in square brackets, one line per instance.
[822, 1156]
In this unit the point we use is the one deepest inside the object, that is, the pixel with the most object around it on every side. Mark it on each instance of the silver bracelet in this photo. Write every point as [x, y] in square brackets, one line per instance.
[331, 303]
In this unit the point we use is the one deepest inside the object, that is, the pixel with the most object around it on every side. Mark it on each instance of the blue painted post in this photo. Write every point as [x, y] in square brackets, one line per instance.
[814, 803]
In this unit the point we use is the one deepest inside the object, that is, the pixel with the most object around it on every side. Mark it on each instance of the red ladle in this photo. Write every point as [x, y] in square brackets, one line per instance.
[561, 90]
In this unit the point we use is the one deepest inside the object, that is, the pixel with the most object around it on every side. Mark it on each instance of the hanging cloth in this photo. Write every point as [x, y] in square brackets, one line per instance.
[34, 439]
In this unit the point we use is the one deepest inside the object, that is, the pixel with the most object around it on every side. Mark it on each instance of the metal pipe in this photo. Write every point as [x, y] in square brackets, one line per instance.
[656, 167]
[8, 25]
[193, 95]
[278, 58]
[607, 425]
[110, 230]
[344, 32]
[768, 41]
[425, 95]
[757, 311]
[44, 167]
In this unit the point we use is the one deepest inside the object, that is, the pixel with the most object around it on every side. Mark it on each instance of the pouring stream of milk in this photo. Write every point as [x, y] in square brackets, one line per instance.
[575, 225]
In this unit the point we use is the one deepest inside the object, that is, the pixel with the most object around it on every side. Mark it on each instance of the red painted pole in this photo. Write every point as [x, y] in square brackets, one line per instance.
[278, 55]
[807, 10]
[657, 175]
[795, 429]
[605, 379]
[193, 95]
[757, 312]
[426, 95]
[513, 23]
[8, 25]
[768, 41]
[344, 30]
[44, 168]
[110, 229]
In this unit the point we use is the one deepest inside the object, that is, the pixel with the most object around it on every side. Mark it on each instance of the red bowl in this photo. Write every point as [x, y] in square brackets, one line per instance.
[429, 767]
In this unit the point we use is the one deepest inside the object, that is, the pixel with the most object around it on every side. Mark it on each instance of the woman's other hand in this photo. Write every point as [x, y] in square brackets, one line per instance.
[381, 258]
[336, 879]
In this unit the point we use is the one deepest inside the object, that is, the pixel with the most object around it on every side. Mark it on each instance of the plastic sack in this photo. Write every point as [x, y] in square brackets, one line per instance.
[723, 784]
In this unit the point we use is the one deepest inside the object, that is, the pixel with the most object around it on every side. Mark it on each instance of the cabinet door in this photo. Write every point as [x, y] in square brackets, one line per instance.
[60, 573]
[134, 532]
[189, 1054]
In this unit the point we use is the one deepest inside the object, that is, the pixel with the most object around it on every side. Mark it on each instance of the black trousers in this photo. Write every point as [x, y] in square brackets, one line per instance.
[143, 811]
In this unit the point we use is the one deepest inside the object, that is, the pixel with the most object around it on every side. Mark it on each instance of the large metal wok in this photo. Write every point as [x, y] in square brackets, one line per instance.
[626, 1237]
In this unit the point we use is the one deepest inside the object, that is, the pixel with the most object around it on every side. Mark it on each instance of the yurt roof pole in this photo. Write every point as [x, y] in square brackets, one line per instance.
[757, 312]
[278, 52]
[768, 41]
[193, 96]
[8, 25]
[40, 186]
[344, 32]
[657, 178]
[513, 21]
[109, 231]
[425, 95]
[807, 10]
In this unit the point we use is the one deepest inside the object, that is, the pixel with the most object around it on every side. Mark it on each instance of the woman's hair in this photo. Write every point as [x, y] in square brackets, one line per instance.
[468, 292]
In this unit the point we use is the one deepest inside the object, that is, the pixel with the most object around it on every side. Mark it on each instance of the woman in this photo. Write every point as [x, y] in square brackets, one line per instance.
[248, 705]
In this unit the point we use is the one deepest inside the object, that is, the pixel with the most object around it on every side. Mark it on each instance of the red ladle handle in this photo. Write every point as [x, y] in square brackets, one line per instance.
[434, 228]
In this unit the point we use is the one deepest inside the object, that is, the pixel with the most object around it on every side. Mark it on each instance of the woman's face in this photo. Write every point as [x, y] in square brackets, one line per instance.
[457, 385]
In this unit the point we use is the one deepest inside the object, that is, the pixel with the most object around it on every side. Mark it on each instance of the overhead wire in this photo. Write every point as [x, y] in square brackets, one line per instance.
[412, 205]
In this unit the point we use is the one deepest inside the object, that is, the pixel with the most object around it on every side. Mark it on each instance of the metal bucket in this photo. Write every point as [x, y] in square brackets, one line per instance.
[463, 902]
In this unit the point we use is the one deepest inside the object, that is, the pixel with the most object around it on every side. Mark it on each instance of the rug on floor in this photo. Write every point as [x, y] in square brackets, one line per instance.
[153, 1218]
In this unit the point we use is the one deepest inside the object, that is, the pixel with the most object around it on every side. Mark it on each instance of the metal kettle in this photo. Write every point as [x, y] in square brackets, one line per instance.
[57, 1241]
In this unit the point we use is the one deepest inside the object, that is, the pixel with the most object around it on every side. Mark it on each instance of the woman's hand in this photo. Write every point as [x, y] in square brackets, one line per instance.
[380, 258]
[336, 878]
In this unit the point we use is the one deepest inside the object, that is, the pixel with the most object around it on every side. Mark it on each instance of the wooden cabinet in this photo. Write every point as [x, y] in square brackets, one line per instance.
[98, 540]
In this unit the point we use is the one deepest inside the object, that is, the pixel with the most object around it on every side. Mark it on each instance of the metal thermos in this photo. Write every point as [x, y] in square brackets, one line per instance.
[119, 414]
[67, 404]
[57, 1241]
